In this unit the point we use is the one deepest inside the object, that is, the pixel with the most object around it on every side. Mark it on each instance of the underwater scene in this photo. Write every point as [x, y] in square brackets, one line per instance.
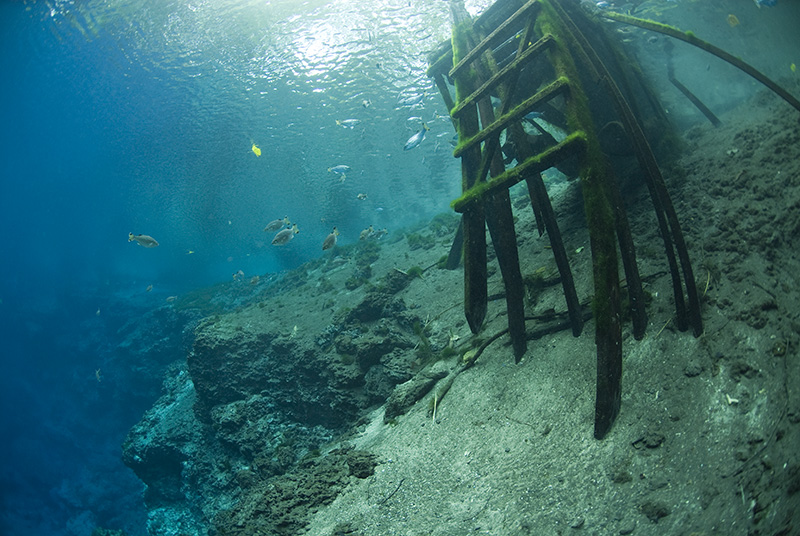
[399, 267]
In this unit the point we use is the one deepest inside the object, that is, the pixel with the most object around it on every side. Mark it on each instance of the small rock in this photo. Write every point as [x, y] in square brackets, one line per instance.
[654, 510]
[578, 523]
[650, 440]
[741, 369]
[692, 369]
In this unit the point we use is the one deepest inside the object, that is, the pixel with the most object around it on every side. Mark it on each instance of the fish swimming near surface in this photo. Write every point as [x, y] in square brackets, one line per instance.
[340, 170]
[285, 236]
[256, 150]
[416, 139]
[411, 99]
[143, 240]
[274, 225]
[330, 240]
[348, 123]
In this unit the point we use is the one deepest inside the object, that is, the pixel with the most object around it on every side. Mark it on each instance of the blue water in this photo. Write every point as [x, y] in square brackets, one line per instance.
[139, 116]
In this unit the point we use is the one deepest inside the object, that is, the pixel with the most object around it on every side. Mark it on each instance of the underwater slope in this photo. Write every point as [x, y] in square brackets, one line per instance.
[707, 437]
[276, 423]
[264, 388]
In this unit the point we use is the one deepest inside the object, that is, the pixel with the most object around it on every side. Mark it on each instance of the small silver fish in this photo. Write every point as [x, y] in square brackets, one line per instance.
[348, 123]
[143, 240]
[340, 170]
[416, 139]
[412, 99]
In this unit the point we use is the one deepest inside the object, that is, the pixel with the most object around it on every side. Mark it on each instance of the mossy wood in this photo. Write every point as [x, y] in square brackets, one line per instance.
[529, 53]
[665, 213]
[536, 56]
[557, 87]
[473, 223]
[530, 8]
[497, 213]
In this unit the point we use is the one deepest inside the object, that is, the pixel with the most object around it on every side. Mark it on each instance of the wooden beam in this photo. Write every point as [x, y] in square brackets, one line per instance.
[571, 145]
[529, 54]
[560, 85]
[491, 39]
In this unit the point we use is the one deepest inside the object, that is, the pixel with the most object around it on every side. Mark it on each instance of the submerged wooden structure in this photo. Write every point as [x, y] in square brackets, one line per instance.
[542, 56]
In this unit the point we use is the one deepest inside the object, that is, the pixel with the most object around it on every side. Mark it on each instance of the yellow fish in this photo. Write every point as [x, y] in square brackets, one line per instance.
[733, 21]
[793, 68]
[256, 150]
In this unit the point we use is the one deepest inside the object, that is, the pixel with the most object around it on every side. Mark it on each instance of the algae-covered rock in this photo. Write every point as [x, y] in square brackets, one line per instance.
[281, 505]
[108, 532]
[158, 445]
[376, 304]
[227, 364]
[235, 440]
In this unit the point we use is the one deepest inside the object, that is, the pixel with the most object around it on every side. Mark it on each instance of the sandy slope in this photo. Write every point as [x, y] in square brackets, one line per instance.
[707, 439]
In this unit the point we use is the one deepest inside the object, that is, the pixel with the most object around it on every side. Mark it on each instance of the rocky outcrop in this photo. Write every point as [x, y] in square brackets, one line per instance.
[161, 443]
[235, 438]
[282, 505]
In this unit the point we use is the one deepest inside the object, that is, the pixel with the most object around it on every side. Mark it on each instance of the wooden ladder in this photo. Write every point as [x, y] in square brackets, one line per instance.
[542, 33]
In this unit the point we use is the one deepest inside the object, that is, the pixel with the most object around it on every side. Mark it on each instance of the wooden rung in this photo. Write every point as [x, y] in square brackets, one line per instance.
[492, 37]
[440, 65]
[536, 164]
[555, 88]
[523, 58]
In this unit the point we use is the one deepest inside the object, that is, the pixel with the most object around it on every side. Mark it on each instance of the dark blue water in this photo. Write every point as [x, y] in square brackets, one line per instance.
[139, 116]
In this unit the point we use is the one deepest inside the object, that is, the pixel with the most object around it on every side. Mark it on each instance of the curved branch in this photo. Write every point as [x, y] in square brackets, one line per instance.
[689, 37]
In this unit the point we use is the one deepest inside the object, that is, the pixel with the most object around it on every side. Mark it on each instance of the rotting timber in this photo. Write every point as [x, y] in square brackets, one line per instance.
[551, 58]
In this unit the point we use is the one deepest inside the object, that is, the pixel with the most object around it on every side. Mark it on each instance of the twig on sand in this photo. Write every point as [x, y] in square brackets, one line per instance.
[392, 493]
[557, 322]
